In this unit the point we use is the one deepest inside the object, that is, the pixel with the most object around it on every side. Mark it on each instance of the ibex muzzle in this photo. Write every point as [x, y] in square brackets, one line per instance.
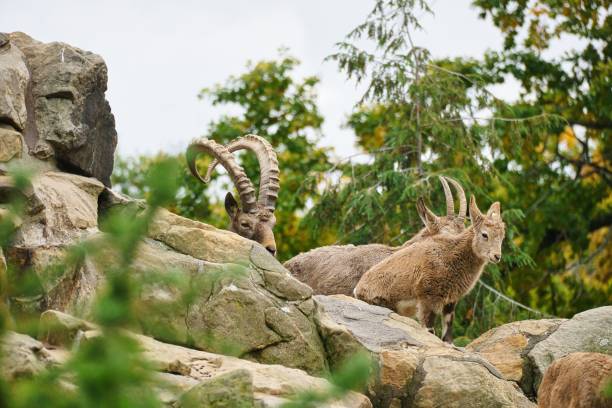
[253, 219]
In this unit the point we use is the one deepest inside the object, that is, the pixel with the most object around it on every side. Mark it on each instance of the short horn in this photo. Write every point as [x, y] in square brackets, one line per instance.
[450, 202]
[269, 174]
[462, 199]
[427, 216]
[222, 155]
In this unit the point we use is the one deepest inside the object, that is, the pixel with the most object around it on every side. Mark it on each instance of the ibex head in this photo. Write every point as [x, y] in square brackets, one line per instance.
[450, 223]
[489, 231]
[253, 218]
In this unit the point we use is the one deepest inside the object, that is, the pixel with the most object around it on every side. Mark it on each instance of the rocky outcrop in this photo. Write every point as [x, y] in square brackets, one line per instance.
[198, 377]
[415, 368]
[248, 301]
[53, 112]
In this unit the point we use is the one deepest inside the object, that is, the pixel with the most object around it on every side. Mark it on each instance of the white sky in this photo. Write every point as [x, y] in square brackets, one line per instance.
[161, 53]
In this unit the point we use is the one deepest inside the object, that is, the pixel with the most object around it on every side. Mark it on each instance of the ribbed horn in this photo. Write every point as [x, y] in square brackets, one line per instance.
[462, 199]
[269, 174]
[450, 202]
[222, 155]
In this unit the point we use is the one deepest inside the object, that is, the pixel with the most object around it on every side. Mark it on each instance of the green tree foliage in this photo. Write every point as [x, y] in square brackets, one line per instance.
[543, 157]
[277, 107]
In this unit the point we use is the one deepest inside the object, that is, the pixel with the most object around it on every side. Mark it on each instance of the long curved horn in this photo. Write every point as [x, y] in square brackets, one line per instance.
[223, 156]
[269, 174]
[462, 200]
[450, 202]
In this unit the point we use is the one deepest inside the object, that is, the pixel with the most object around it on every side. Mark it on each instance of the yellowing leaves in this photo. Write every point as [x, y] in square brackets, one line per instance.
[568, 137]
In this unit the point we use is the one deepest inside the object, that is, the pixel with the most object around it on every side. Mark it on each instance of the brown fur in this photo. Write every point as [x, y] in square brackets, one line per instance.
[437, 271]
[336, 269]
[576, 381]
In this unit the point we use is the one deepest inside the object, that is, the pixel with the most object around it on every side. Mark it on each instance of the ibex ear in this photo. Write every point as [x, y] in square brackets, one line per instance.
[231, 205]
[494, 211]
[475, 214]
[430, 220]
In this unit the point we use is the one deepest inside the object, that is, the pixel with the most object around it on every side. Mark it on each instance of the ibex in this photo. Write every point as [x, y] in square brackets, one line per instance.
[431, 275]
[577, 381]
[254, 219]
[336, 269]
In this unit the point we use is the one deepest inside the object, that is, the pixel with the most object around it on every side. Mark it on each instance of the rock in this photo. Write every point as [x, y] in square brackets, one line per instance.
[589, 331]
[62, 208]
[200, 240]
[68, 117]
[22, 356]
[507, 346]
[415, 368]
[14, 77]
[10, 144]
[230, 390]
[60, 329]
[255, 309]
[443, 381]
[577, 380]
[271, 384]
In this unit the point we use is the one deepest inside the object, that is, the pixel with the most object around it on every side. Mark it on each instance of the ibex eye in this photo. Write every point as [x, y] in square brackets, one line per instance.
[485, 235]
[245, 225]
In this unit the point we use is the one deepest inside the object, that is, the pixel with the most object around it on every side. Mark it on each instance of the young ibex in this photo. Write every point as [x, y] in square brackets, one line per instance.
[431, 275]
[577, 381]
[336, 269]
[255, 220]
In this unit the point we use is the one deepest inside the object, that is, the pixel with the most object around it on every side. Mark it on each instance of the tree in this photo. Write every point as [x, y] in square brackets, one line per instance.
[420, 117]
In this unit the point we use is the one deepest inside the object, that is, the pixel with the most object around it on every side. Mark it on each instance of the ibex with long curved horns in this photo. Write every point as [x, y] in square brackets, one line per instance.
[254, 218]
[336, 269]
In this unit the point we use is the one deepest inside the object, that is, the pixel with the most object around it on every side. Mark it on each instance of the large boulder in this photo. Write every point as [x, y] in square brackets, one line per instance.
[507, 346]
[415, 368]
[53, 112]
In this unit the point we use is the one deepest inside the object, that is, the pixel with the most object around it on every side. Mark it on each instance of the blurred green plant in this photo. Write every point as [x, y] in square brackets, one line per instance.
[352, 375]
[107, 368]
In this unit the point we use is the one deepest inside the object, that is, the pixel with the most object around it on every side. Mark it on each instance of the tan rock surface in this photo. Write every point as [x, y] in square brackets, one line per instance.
[415, 368]
[506, 346]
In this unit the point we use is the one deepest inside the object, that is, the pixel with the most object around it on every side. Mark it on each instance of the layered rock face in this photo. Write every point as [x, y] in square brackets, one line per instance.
[53, 111]
[188, 377]
[249, 301]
